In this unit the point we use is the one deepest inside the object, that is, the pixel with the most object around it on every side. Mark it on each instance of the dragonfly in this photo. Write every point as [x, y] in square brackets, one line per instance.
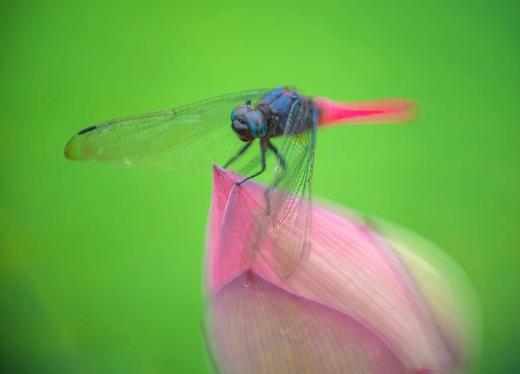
[283, 121]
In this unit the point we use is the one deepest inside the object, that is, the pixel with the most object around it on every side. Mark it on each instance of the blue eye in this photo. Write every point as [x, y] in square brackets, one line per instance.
[240, 111]
[249, 122]
[256, 124]
[258, 131]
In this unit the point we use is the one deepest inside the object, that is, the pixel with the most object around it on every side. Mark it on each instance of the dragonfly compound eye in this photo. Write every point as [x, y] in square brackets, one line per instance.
[248, 123]
[256, 123]
[239, 111]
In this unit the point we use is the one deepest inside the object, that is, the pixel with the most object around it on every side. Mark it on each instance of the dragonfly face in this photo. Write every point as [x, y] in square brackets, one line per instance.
[248, 123]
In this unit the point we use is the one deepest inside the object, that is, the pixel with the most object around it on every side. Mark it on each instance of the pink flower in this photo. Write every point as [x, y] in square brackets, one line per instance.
[364, 300]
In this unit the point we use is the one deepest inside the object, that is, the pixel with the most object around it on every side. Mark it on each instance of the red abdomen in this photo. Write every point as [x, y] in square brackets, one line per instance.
[333, 113]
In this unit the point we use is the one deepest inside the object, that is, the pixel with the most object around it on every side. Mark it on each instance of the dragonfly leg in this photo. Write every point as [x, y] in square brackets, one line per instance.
[237, 155]
[262, 156]
[279, 157]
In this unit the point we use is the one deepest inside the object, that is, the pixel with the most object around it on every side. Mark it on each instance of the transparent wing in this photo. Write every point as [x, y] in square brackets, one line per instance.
[185, 138]
[289, 206]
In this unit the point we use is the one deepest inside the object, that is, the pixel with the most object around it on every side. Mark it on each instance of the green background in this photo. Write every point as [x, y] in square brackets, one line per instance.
[100, 266]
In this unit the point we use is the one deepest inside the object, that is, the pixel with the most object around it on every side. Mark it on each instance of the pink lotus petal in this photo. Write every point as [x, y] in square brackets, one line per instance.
[373, 112]
[261, 328]
[359, 300]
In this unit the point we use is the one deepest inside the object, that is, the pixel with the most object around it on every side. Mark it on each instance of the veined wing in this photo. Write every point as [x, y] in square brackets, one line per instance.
[190, 137]
[289, 216]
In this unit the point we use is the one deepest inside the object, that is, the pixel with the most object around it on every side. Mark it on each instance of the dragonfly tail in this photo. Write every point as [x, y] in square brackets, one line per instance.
[389, 111]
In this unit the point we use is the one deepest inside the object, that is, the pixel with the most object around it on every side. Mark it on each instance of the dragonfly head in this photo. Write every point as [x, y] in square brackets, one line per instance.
[248, 123]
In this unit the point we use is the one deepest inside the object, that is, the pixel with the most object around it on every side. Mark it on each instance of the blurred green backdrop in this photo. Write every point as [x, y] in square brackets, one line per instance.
[100, 266]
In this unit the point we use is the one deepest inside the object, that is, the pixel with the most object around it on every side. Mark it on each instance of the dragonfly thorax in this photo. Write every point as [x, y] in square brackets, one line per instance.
[248, 123]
